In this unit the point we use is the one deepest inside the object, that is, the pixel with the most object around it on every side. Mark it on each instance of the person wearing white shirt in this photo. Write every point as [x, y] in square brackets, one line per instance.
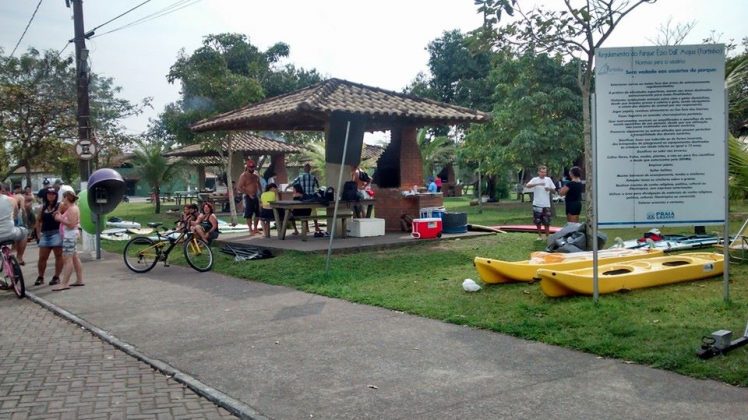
[541, 187]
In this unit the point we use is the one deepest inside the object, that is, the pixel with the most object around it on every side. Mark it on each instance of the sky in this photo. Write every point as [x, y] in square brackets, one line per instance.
[379, 43]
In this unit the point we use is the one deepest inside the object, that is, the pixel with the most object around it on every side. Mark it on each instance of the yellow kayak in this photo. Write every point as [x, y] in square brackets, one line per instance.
[498, 271]
[635, 274]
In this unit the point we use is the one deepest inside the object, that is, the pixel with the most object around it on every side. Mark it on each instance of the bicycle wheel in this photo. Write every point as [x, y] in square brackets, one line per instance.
[198, 254]
[17, 281]
[140, 254]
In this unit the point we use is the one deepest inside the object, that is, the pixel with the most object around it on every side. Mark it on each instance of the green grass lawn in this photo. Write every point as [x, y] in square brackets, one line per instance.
[660, 327]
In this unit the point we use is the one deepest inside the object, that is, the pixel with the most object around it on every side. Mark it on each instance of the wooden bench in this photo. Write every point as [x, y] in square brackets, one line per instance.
[342, 216]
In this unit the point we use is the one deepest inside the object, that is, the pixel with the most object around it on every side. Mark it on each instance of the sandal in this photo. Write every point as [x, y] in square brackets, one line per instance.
[55, 280]
[39, 281]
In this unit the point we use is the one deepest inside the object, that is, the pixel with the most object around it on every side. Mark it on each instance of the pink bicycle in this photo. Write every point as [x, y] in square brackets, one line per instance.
[13, 274]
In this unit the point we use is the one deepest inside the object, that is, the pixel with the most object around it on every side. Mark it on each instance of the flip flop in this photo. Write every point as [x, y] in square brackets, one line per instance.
[60, 289]
[77, 284]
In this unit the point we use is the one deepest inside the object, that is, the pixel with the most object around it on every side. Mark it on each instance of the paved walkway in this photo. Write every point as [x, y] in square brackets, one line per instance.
[291, 355]
[53, 369]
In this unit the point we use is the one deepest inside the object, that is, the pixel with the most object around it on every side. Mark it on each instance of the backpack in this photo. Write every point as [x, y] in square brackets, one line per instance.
[350, 192]
[330, 194]
[363, 176]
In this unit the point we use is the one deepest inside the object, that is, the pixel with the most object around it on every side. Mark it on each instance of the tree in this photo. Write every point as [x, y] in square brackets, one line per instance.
[536, 116]
[37, 108]
[154, 167]
[37, 111]
[578, 31]
[226, 73]
[736, 82]
[459, 73]
[435, 151]
[107, 110]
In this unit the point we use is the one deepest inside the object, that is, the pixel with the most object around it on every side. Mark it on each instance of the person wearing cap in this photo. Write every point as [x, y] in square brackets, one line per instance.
[48, 234]
[8, 229]
[249, 185]
[43, 191]
[68, 216]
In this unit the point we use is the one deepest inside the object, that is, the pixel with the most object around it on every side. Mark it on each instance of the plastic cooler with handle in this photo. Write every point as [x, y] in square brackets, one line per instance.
[427, 228]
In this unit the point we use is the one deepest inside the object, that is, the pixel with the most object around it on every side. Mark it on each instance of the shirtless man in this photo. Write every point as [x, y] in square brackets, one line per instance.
[249, 185]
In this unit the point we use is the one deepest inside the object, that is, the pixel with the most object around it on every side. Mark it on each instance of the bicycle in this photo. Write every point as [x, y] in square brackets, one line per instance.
[11, 268]
[142, 253]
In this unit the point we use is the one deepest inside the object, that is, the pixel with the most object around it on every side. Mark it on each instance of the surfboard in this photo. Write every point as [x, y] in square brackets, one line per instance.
[144, 231]
[113, 231]
[524, 228]
[482, 228]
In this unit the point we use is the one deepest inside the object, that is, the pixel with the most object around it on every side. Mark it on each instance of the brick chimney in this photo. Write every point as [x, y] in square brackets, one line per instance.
[411, 164]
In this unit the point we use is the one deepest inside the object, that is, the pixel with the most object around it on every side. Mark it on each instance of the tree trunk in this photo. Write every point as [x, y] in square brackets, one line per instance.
[28, 172]
[157, 198]
[587, 133]
[491, 188]
[230, 181]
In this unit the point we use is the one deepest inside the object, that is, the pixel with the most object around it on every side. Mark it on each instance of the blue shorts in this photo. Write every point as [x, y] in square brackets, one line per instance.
[50, 239]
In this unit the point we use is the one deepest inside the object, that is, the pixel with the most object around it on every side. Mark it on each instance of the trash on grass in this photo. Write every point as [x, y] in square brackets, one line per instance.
[470, 285]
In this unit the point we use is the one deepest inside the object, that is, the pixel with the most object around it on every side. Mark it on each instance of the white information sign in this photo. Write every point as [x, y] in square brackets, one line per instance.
[661, 135]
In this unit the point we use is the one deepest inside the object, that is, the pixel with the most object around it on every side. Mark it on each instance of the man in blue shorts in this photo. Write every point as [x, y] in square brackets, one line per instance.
[249, 185]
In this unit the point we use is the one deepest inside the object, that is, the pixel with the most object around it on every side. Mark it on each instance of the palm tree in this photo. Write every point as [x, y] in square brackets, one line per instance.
[315, 155]
[154, 167]
[434, 151]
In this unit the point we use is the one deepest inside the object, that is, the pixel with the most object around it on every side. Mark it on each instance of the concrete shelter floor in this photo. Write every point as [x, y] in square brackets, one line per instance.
[347, 244]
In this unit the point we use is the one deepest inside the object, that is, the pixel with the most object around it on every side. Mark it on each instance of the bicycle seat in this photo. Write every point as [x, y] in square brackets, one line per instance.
[9, 242]
[154, 224]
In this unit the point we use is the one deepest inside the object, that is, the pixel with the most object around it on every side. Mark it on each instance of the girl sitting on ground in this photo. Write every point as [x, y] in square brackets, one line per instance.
[188, 217]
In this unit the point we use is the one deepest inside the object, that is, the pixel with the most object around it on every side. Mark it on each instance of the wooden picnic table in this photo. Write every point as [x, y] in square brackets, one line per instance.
[188, 197]
[289, 205]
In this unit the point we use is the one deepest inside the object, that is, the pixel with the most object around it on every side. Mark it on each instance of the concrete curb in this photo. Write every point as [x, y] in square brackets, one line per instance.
[230, 404]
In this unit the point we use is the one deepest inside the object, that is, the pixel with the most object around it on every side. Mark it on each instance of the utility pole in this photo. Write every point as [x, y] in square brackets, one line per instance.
[85, 147]
[85, 140]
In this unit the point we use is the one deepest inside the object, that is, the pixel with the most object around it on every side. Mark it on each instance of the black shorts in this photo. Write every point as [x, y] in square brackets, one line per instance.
[267, 215]
[251, 206]
[573, 208]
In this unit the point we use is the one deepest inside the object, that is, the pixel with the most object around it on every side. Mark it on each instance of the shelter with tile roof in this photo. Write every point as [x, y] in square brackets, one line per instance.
[343, 109]
[244, 145]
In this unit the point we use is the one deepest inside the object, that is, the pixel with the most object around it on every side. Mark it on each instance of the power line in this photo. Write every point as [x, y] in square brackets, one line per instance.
[119, 16]
[27, 28]
[176, 6]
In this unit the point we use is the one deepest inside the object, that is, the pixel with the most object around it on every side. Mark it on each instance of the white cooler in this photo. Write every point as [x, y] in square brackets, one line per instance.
[360, 228]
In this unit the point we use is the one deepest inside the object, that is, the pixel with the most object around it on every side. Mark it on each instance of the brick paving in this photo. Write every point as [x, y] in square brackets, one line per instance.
[53, 369]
